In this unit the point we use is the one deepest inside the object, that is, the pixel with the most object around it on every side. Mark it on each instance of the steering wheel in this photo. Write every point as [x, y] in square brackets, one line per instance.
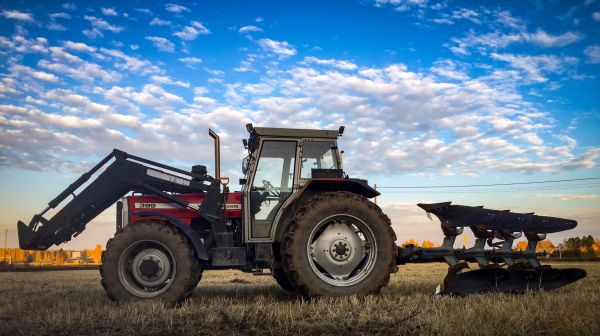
[272, 190]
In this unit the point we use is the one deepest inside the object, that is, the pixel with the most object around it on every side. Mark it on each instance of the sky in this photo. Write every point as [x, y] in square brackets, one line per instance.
[431, 92]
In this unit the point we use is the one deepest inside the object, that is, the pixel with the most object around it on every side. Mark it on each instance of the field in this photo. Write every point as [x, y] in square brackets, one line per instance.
[231, 302]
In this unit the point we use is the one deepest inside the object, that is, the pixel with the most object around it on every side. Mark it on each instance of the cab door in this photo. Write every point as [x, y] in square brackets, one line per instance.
[271, 185]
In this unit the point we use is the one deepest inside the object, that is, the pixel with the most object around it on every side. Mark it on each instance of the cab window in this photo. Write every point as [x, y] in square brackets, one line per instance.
[317, 154]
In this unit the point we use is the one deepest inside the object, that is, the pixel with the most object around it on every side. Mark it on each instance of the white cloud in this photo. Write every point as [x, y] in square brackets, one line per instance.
[339, 64]
[498, 40]
[21, 44]
[79, 46]
[75, 67]
[159, 22]
[596, 16]
[593, 53]
[167, 80]
[103, 25]
[443, 21]
[257, 89]
[466, 14]
[249, 29]
[109, 12]
[534, 67]
[531, 138]
[161, 43]
[259, 19]
[449, 69]
[84, 71]
[56, 26]
[17, 15]
[155, 96]
[544, 39]
[565, 197]
[131, 63]
[190, 33]
[99, 25]
[507, 19]
[60, 15]
[27, 71]
[144, 11]
[280, 48]
[83, 103]
[190, 62]
[174, 8]
[69, 6]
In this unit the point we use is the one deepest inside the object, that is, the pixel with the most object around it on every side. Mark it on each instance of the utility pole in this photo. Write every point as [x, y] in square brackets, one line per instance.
[5, 239]
[375, 185]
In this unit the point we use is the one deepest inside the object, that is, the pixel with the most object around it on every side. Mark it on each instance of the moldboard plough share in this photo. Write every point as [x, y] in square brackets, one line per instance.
[298, 214]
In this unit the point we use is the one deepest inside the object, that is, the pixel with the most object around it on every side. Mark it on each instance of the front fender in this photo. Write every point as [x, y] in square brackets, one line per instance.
[184, 228]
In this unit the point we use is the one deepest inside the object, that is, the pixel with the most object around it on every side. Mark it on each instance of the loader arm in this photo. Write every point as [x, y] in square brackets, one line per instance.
[125, 174]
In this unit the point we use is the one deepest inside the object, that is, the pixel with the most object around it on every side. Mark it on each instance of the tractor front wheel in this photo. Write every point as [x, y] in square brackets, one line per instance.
[339, 243]
[149, 260]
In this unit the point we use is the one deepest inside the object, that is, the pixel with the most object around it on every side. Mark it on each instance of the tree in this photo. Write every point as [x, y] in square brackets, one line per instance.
[84, 256]
[411, 242]
[96, 254]
[545, 245]
[29, 257]
[428, 243]
[521, 245]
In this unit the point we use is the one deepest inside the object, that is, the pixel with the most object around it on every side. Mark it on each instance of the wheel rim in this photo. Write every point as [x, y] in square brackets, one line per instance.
[342, 250]
[147, 268]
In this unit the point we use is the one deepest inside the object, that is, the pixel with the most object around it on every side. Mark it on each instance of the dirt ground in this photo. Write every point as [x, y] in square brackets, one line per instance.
[232, 303]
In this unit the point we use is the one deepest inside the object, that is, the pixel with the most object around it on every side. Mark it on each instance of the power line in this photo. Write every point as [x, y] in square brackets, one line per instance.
[489, 185]
[483, 191]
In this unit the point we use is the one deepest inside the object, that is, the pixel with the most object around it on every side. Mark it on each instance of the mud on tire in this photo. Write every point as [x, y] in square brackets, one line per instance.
[305, 234]
[140, 256]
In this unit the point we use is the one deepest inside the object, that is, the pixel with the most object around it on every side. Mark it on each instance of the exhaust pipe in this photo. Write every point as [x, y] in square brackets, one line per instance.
[217, 154]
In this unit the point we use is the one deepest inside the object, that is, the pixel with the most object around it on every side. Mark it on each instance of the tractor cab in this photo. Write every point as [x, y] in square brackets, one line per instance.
[280, 162]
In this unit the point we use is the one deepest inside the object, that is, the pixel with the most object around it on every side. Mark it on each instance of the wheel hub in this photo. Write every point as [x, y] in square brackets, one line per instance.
[338, 250]
[151, 267]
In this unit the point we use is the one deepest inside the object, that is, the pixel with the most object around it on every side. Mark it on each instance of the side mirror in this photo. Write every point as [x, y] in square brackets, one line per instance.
[243, 181]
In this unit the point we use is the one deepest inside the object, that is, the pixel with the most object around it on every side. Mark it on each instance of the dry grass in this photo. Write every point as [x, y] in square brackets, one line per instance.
[231, 302]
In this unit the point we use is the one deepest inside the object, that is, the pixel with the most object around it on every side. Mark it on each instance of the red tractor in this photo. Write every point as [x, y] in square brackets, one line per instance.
[298, 215]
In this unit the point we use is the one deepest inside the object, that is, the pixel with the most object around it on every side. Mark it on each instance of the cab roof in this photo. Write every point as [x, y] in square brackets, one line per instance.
[296, 133]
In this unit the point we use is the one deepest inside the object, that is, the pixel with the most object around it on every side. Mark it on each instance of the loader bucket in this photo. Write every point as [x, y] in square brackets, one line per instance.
[26, 236]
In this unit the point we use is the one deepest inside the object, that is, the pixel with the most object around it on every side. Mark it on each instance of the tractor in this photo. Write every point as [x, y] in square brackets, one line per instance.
[298, 215]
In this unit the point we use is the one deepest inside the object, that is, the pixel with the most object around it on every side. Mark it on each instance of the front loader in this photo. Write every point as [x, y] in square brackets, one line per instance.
[298, 215]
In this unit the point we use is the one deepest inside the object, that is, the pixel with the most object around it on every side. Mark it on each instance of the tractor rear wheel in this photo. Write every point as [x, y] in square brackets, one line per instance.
[149, 260]
[282, 279]
[339, 243]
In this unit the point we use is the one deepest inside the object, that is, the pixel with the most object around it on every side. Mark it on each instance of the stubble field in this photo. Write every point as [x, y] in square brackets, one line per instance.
[232, 303]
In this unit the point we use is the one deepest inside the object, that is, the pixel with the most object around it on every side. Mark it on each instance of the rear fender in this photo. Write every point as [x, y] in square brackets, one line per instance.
[356, 186]
[315, 186]
[184, 228]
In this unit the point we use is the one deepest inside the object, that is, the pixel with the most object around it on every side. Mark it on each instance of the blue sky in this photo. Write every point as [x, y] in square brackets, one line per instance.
[431, 93]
